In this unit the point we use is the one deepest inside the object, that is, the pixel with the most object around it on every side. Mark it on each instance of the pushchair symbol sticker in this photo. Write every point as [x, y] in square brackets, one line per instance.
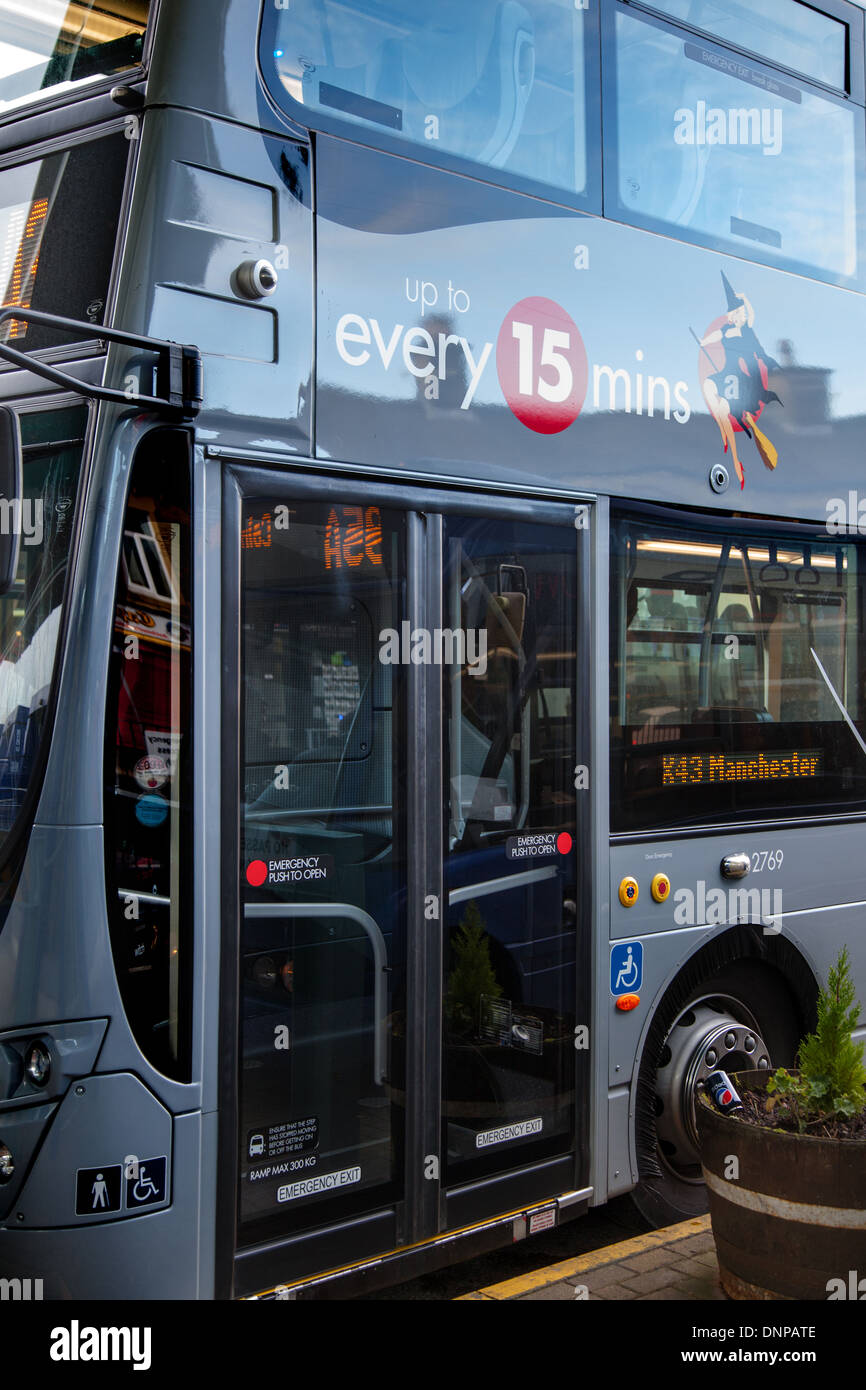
[146, 1187]
[626, 967]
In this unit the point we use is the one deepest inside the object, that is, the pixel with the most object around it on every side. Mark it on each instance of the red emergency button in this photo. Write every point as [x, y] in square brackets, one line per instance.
[627, 1002]
[660, 887]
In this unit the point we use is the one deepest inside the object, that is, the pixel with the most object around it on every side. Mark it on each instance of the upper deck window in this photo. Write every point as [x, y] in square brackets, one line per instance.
[54, 47]
[497, 82]
[58, 226]
[781, 31]
[716, 147]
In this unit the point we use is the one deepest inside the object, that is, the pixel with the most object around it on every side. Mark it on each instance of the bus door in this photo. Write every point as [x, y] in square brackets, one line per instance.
[513, 862]
[402, 705]
[321, 732]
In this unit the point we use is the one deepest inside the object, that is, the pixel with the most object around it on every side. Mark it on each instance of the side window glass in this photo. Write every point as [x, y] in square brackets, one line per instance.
[725, 152]
[55, 211]
[499, 82]
[148, 796]
[55, 47]
[31, 611]
[738, 684]
[782, 31]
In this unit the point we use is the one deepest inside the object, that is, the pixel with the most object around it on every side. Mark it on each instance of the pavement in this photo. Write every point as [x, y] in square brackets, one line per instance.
[674, 1263]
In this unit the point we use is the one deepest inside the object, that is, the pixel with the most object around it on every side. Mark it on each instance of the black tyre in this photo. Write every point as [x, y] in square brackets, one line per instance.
[740, 1018]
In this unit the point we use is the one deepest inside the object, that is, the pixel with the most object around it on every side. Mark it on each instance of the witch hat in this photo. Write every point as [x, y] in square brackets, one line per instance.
[734, 300]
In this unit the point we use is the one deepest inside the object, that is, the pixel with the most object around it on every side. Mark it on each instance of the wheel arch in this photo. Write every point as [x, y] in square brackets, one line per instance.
[744, 945]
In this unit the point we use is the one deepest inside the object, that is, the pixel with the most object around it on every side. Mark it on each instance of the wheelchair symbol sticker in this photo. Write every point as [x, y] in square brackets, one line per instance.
[626, 967]
[146, 1187]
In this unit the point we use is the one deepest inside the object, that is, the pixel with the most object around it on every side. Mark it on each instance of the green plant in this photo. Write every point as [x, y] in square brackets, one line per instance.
[832, 1076]
[473, 974]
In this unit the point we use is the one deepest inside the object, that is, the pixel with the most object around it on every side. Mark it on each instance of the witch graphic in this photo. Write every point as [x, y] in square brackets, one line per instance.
[737, 389]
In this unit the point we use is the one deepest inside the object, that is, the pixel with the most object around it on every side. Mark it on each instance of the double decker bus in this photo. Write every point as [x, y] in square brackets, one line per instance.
[432, 683]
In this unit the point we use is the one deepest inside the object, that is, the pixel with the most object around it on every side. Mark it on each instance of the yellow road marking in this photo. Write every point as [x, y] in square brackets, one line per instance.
[582, 1264]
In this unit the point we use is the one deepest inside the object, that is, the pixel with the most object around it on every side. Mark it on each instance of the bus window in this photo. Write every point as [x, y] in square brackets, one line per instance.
[498, 82]
[725, 152]
[55, 47]
[782, 31]
[738, 683]
[30, 612]
[56, 212]
[148, 802]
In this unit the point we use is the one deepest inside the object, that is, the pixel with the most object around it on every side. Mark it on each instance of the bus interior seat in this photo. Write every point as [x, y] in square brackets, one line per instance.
[504, 623]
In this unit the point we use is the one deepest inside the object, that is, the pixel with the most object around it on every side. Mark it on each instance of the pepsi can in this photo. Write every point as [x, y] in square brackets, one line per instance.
[724, 1097]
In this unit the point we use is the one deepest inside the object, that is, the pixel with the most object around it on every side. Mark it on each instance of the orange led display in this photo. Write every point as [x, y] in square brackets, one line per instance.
[700, 769]
[353, 535]
[20, 288]
[256, 532]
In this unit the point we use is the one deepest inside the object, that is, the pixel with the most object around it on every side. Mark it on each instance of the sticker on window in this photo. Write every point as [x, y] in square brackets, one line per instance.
[539, 846]
[299, 868]
[325, 1182]
[501, 1025]
[507, 1133]
[272, 1141]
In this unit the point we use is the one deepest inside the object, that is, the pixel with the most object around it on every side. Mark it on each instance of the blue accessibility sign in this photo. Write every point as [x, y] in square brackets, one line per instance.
[626, 967]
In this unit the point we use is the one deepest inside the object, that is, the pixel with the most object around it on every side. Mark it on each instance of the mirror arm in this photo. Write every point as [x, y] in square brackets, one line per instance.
[178, 367]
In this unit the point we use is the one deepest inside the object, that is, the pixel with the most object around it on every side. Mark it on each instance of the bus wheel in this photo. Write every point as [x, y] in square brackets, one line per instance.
[741, 1019]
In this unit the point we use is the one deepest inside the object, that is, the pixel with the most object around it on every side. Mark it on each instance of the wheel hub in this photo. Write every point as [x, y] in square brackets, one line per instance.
[711, 1034]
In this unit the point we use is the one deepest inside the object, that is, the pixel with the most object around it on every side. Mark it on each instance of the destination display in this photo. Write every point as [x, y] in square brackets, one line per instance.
[698, 769]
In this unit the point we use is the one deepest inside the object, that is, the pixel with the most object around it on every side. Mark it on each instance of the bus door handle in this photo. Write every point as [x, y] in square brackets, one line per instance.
[380, 958]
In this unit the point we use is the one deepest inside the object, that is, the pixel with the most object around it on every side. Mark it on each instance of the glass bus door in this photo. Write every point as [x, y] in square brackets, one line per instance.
[322, 732]
[405, 819]
[513, 890]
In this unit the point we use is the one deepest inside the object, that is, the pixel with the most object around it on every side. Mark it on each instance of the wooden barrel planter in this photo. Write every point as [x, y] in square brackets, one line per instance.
[795, 1217]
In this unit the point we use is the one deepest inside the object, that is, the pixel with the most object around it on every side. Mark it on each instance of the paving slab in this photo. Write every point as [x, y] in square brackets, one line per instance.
[676, 1262]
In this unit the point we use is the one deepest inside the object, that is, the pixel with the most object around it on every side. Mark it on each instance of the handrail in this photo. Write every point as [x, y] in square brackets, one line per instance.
[380, 958]
[501, 885]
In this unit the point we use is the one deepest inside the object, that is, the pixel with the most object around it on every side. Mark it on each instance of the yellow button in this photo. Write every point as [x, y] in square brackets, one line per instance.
[628, 891]
[660, 887]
